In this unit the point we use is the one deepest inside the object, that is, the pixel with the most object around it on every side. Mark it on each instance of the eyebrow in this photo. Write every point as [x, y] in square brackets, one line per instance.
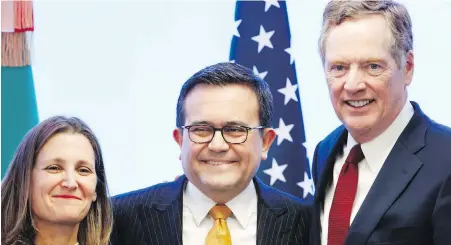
[377, 60]
[59, 160]
[228, 123]
[200, 123]
[235, 123]
[336, 61]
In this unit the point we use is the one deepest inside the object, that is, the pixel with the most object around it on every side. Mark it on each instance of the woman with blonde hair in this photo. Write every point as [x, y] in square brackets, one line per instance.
[55, 190]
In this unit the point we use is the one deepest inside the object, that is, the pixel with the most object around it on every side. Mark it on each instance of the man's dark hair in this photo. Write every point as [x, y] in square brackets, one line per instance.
[223, 74]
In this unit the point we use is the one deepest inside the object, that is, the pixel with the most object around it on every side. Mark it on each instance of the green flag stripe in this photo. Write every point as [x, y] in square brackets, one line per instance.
[19, 109]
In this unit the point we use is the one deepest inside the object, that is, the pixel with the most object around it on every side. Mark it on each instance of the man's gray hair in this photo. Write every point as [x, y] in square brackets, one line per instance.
[398, 19]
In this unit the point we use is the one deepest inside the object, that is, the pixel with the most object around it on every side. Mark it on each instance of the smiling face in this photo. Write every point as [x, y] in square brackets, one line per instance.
[218, 166]
[63, 182]
[367, 88]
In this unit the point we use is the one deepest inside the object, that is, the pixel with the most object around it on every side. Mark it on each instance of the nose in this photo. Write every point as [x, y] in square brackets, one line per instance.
[354, 81]
[70, 180]
[218, 144]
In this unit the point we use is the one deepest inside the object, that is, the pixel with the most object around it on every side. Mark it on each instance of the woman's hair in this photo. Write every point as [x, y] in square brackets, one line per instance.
[17, 220]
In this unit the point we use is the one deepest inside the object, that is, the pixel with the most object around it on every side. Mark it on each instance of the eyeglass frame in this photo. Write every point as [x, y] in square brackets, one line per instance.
[222, 132]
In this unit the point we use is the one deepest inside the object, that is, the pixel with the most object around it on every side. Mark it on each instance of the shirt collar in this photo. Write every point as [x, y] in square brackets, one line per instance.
[242, 206]
[377, 150]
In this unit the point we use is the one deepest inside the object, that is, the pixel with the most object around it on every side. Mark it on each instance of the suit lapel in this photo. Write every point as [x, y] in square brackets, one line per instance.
[163, 214]
[271, 216]
[398, 170]
[325, 158]
[334, 147]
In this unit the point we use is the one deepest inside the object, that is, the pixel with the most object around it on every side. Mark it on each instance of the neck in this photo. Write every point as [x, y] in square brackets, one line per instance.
[221, 198]
[50, 234]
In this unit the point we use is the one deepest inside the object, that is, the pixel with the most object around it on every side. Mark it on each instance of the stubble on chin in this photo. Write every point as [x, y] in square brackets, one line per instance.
[220, 183]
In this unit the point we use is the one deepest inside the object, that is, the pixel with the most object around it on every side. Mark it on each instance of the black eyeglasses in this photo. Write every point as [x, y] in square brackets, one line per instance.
[231, 134]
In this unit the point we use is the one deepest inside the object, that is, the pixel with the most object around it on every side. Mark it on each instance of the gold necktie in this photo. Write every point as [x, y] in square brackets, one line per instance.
[219, 234]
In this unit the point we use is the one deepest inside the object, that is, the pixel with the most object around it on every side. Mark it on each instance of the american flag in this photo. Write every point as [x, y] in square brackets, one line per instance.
[262, 42]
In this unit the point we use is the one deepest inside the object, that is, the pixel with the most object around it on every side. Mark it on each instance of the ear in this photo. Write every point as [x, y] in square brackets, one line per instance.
[95, 197]
[269, 135]
[178, 136]
[409, 67]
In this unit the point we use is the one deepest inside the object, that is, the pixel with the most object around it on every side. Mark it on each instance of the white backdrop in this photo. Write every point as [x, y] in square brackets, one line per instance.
[119, 66]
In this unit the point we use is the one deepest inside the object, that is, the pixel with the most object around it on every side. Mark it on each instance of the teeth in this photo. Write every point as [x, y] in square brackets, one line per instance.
[216, 163]
[358, 103]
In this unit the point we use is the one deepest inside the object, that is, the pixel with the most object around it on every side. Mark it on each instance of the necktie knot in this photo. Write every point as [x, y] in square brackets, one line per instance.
[219, 233]
[220, 211]
[355, 155]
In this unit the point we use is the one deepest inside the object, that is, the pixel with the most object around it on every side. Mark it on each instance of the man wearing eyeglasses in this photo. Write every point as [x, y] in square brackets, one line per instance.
[224, 115]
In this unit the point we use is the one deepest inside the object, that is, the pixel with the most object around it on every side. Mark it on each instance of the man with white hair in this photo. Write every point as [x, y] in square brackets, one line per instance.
[384, 176]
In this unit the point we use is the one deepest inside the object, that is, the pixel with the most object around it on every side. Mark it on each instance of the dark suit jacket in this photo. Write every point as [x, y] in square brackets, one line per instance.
[154, 216]
[409, 202]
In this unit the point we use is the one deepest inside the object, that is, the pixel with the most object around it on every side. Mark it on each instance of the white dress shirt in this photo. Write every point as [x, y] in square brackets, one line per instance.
[376, 152]
[197, 223]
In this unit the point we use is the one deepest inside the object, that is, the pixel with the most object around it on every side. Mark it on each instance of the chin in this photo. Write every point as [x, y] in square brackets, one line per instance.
[72, 216]
[359, 123]
[220, 183]
[357, 127]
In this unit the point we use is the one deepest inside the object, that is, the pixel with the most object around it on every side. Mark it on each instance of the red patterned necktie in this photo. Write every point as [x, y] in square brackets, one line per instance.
[340, 211]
